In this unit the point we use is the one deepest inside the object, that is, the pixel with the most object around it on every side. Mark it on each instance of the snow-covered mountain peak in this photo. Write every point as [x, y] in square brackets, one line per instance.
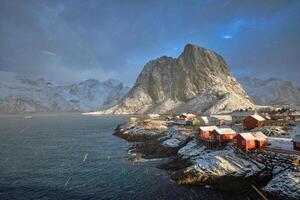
[19, 93]
[272, 91]
[198, 80]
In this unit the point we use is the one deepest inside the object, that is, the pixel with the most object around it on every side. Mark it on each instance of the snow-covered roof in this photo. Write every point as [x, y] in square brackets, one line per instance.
[153, 115]
[223, 131]
[204, 118]
[208, 128]
[242, 113]
[258, 117]
[253, 135]
[247, 136]
[295, 113]
[224, 117]
[259, 135]
[296, 138]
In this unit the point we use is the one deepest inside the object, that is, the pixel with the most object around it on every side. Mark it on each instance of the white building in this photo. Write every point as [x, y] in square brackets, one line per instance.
[239, 116]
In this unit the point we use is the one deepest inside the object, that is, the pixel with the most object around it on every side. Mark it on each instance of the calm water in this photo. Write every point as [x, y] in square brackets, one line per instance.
[69, 156]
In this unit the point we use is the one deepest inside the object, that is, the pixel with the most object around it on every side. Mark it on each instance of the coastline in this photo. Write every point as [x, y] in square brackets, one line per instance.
[192, 163]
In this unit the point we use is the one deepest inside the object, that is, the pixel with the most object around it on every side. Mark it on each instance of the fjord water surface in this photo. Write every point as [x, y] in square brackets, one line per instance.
[70, 156]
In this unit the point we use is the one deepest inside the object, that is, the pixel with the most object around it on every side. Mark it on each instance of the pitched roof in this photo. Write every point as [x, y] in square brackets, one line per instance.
[259, 135]
[295, 113]
[243, 113]
[224, 117]
[223, 131]
[253, 135]
[205, 119]
[258, 117]
[247, 136]
[208, 128]
[296, 138]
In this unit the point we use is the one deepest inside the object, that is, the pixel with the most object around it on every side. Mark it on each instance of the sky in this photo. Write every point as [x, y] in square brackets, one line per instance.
[72, 40]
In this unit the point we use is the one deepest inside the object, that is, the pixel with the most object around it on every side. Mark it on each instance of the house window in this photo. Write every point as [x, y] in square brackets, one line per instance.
[243, 142]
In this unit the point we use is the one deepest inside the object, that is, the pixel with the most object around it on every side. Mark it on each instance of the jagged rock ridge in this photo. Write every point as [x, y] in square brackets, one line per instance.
[198, 80]
[20, 94]
[273, 91]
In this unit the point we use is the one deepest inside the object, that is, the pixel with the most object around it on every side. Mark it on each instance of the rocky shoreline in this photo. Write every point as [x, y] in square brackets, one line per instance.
[192, 163]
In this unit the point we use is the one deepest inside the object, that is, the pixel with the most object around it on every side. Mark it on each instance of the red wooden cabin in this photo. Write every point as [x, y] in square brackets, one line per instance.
[223, 135]
[205, 131]
[261, 140]
[253, 121]
[251, 140]
[245, 141]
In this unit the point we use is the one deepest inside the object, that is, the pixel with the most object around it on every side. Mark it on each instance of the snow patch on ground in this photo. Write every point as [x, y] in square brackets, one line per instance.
[175, 138]
[282, 143]
[285, 185]
[219, 162]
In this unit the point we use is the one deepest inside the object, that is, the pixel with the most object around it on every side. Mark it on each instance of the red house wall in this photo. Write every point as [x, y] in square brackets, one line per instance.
[222, 138]
[261, 144]
[247, 144]
[205, 134]
[227, 137]
[296, 146]
[239, 142]
[251, 123]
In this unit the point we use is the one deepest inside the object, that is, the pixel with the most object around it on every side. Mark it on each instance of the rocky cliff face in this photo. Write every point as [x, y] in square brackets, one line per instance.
[272, 91]
[20, 94]
[198, 80]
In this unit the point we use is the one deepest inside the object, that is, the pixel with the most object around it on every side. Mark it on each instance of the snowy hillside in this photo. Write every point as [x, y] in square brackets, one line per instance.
[93, 94]
[197, 81]
[20, 94]
[272, 91]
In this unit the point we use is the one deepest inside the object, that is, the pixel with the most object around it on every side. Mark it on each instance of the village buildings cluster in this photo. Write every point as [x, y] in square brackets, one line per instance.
[220, 130]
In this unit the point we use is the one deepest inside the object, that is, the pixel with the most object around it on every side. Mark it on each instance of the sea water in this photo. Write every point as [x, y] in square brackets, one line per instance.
[71, 156]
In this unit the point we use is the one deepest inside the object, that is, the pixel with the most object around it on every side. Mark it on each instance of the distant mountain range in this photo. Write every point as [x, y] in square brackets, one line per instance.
[20, 94]
[273, 91]
[197, 81]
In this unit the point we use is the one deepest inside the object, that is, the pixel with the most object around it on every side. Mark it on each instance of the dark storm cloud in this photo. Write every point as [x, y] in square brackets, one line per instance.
[73, 40]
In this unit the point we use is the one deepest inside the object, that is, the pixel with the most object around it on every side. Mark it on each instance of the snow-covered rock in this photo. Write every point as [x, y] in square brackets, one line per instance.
[216, 167]
[138, 132]
[174, 138]
[273, 91]
[92, 94]
[218, 162]
[20, 94]
[285, 185]
[198, 80]
[275, 131]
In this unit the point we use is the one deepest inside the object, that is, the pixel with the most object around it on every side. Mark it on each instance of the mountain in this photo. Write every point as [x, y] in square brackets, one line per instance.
[93, 94]
[273, 91]
[198, 81]
[19, 94]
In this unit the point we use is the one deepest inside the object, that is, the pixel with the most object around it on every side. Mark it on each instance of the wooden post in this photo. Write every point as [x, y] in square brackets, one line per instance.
[259, 192]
